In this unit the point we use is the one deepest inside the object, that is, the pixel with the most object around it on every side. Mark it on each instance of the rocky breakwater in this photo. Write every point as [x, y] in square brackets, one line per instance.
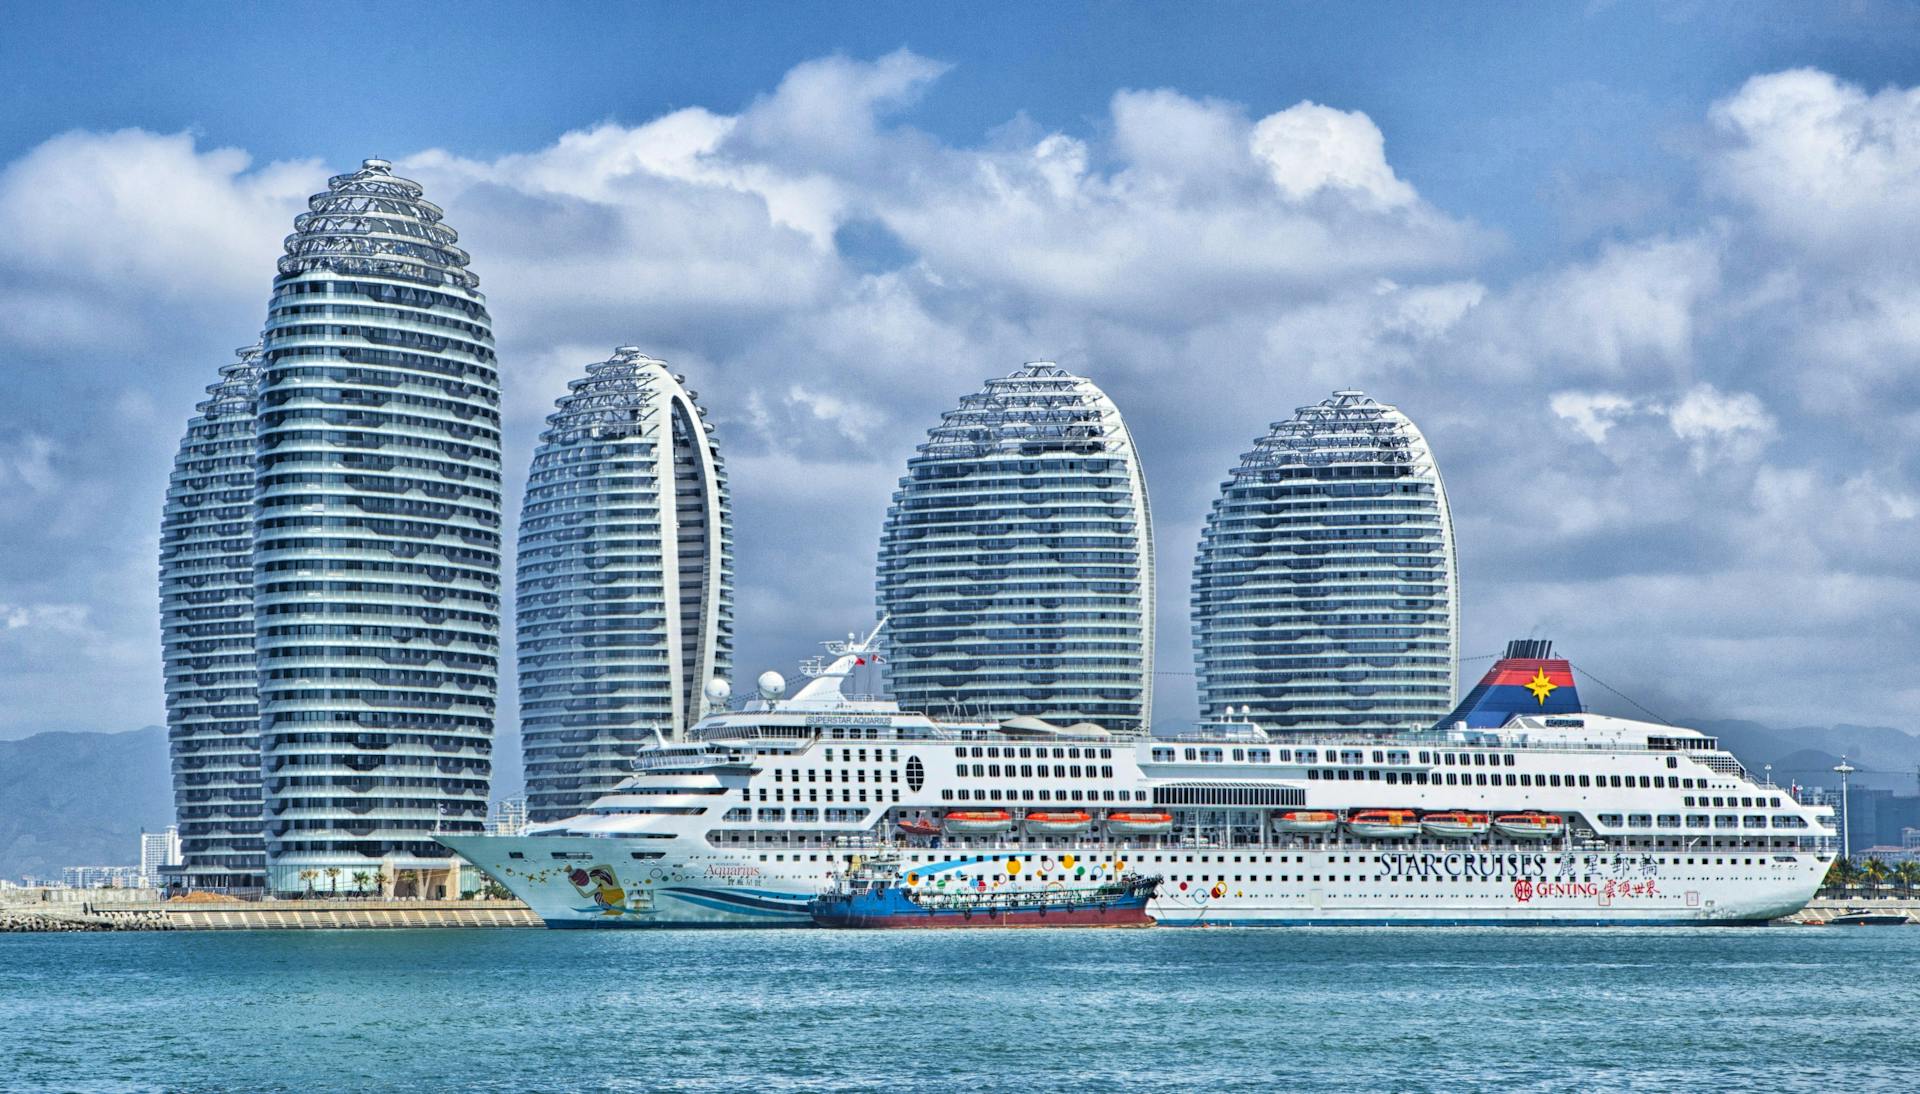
[55, 918]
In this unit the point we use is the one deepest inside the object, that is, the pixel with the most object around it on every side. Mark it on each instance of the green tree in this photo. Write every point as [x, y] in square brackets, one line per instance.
[309, 877]
[1839, 875]
[362, 881]
[1907, 873]
[333, 880]
[1872, 872]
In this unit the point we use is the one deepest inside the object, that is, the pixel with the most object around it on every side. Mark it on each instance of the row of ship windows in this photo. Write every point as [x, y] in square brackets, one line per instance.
[1068, 753]
[1422, 778]
[847, 775]
[847, 794]
[1698, 820]
[1361, 756]
[1060, 771]
[1044, 795]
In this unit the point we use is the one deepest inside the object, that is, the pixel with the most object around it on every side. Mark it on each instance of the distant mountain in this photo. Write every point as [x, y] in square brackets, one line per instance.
[70, 799]
[1883, 757]
[80, 799]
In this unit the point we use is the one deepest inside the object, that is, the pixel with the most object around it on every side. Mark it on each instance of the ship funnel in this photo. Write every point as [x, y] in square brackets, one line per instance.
[1528, 680]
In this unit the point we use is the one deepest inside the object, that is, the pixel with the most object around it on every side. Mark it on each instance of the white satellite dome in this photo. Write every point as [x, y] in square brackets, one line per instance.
[717, 690]
[772, 685]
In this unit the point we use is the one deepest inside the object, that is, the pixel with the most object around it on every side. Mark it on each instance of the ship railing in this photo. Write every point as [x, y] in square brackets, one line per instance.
[964, 899]
[1670, 842]
[1518, 742]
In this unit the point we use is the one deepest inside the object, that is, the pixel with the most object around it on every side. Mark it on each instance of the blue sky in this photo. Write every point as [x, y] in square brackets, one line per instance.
[1643, 273]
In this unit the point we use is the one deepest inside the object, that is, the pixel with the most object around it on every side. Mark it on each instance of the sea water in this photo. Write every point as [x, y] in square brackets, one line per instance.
[1158, 1009]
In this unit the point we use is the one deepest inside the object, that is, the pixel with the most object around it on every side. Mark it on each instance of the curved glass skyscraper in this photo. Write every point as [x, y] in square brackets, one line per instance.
[1324, 594]
[624, 595]
[1016, 562]
[206, 636]
[376, 542]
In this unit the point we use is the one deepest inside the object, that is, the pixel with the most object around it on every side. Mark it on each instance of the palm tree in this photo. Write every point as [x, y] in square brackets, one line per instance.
[362, 879]
[1873, 872]
[333, 880]
[1907, 871]
[1839, 875]
[308, 876]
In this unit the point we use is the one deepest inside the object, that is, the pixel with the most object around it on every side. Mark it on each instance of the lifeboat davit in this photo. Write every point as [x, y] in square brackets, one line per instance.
[1529, 825]
[978, 822]
[1139, 824]
[1306, 821]
[919, 826]
[1384, 824]
[1455, 825]
[1058, 823]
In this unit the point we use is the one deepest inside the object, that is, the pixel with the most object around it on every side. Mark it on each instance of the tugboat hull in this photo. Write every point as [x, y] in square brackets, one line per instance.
[1131, 914]
[890, 905]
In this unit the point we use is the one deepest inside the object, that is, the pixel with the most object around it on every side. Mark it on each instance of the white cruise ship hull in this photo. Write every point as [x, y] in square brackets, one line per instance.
[1347, 885]
[749, 818]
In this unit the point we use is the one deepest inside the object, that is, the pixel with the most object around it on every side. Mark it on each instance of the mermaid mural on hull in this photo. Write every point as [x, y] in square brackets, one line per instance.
[598, 884]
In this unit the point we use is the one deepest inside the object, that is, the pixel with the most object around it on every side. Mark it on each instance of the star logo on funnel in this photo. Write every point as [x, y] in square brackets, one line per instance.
[1541, 686]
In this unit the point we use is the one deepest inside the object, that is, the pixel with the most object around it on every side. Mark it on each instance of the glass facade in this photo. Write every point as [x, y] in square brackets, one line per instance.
[376, 540]
[1324, 593]
[1016, 562]
[206, 637]
[624, 592]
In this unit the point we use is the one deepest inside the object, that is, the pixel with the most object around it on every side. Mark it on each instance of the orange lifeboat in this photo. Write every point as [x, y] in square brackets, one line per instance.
[979, 822]
[1139, 824]
[1530, 825]
[1053, 824]
[1455, 825]
[919, 826]
[1384, 824]
[1306, 822]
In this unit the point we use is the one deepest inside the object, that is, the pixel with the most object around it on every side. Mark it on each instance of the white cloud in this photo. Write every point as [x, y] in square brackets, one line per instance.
[1592, 413]
[1823, 163]
[1211, 269]
[99, 228]
[1716, 424]
[26, 465]
[1633, 310]
[1308, 148]
[54, 619]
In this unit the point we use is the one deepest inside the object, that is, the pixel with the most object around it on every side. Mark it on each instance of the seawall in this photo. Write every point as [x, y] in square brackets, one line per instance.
[1823, 911]
[278, 915]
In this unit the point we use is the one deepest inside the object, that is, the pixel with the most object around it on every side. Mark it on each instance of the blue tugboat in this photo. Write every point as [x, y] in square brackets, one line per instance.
[875, 895]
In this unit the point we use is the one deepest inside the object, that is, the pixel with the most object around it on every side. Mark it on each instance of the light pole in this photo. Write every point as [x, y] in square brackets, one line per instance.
[1843, 768]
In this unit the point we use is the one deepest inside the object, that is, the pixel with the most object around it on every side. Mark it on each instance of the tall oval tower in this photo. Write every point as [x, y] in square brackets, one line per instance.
[624, 592]
[1325, 595]
[1016, 561]
[206, 636]
[376, 544]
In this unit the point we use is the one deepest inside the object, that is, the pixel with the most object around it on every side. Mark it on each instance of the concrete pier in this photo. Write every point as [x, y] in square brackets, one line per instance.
[1823, 911]
[347, 914]
[180, 915]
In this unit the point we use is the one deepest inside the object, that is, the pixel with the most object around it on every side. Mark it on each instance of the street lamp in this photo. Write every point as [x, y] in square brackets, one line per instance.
[1843, 768]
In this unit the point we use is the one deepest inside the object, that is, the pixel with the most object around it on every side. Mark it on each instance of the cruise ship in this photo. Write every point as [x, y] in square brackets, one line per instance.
[1520, 808]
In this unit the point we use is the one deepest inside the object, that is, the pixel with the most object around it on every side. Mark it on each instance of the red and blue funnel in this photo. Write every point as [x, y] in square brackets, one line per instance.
[1528, 680]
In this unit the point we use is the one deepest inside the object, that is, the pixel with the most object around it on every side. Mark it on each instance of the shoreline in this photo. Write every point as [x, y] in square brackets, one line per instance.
[266, 915]
[337, 915]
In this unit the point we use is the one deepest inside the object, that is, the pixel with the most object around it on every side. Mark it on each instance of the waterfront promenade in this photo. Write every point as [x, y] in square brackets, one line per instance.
[152, 914]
